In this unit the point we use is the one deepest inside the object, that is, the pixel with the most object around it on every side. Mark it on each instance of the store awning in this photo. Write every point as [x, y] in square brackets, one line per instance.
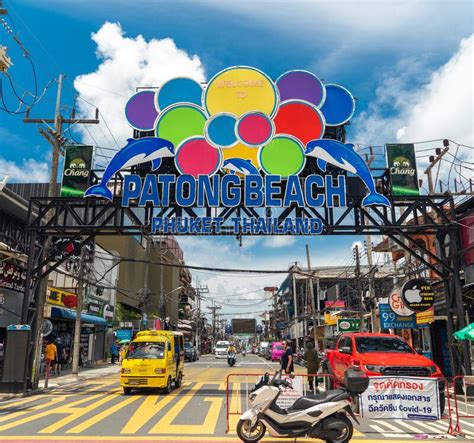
[70, 314]
[466, 333]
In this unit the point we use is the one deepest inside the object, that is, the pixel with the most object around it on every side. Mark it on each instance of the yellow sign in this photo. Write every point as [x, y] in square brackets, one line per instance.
[240, 90]
[425, 316]
[330, 319]
[59, 297]
[242, 152]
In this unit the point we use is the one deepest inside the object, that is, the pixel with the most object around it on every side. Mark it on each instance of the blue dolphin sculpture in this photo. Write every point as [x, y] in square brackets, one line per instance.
[240, 165]
[344, 156]
[135, 152]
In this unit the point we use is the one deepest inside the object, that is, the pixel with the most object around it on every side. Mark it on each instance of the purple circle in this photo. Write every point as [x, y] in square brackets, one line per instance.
[301, 85]
[140, 111]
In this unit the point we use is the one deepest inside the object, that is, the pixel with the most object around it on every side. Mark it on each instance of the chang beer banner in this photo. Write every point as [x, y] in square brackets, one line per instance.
[77, 170]
[402, 167]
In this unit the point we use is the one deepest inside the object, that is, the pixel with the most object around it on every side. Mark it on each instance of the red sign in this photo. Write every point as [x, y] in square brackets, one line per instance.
[12, 277]
[335, 304]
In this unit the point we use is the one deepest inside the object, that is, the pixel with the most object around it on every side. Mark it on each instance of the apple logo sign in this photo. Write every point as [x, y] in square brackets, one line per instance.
[413, 295]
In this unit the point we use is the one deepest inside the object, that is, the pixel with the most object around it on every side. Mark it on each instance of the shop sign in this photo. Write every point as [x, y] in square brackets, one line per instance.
[418, 295]
[60, 297]
[108, 311]
[397, 304]
[124, 334]
[95, 309]
[403, 398]
[402, 168]
[330, 319]
[12, 277]
[390, 320]
[334, 304]
[425, 317]
[126, 324]
[76, 172]
[349, 324]
[223, 138]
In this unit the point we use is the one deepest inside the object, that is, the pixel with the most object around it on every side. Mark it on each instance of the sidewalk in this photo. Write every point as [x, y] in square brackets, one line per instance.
[66, 378]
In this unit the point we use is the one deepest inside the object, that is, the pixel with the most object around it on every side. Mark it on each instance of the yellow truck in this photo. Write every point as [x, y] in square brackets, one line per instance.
[155, 359]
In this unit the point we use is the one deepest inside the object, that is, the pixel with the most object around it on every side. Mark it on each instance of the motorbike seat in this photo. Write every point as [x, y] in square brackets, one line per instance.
[317, 399]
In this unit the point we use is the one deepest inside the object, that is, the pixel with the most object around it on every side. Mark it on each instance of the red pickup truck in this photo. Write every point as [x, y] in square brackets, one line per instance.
[378, 354]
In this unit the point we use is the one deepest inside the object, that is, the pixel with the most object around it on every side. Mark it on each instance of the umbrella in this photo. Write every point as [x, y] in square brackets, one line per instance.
[466, 333]
[124, 342]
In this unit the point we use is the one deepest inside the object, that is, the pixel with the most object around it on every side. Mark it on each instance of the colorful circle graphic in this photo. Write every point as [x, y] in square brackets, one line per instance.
[339, 106]
[140, 111]
[300, 119]
[240, 151]
[301, 85]
[196, 156]
[283, 156]
[179, 122]
[220, 130]
[179, 90]
[239, 90]
[255, 129]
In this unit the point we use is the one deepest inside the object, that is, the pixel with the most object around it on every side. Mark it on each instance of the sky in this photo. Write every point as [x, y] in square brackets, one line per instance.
[408, 63]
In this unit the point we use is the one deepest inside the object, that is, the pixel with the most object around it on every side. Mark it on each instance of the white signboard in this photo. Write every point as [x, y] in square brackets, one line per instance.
[289, 396]
[398, 305]
[406, 398]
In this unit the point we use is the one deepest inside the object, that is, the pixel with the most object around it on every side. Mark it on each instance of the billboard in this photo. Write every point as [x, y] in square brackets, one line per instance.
[76, 171]
[402, 167]
[244, 325]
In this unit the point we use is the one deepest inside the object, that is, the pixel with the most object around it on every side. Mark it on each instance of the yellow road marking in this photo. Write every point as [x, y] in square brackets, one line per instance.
[52, 401]
[104, 414]
[74, 413]
[235, 405]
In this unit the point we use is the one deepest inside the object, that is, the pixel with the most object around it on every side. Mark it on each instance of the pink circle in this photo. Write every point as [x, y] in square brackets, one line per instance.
[195, 156]
[254, 129]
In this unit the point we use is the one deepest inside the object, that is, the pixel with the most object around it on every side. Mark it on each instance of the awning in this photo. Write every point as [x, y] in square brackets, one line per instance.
[466, 333]
[70, 314]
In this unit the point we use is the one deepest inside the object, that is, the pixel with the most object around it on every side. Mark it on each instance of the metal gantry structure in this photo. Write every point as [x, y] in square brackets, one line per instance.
[82, 219]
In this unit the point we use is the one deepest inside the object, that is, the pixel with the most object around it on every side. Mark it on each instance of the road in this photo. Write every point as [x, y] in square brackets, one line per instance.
[96, 410]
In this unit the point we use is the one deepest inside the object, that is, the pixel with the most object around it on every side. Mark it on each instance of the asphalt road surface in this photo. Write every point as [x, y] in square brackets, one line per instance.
[97, 410]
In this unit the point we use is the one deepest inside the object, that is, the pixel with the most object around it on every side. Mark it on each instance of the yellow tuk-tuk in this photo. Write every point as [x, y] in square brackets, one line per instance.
[155, 359]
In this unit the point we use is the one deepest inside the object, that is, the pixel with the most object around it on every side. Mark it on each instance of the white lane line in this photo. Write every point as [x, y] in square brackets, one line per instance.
[467, 423]
[393, 428]
[388, 434]
[431, 427]
[406, 425]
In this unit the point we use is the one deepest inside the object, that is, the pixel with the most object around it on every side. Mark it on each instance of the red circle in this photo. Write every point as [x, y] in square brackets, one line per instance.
[300, 119]
[196, 156]
[254, 129]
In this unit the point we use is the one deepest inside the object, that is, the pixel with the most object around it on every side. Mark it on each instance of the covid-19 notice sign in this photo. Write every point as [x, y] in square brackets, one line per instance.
[405, 398]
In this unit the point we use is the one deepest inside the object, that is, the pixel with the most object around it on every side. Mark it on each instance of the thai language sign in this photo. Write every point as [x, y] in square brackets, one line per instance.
[289, 396]
[406, 398]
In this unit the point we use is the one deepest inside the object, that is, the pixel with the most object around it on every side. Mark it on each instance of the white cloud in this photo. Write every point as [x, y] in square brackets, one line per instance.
[28, 171]
[442, 108]
[279, 241]
[126, 63]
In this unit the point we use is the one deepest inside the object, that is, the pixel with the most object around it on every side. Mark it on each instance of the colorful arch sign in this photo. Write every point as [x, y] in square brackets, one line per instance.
[242, 128]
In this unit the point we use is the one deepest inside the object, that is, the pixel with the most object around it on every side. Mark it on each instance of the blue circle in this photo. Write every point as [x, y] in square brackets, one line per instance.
[220, 130]
[339, 106]
[179, 90]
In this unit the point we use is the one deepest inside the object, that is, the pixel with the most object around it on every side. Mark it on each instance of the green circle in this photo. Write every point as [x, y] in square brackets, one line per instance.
[283, 156]
[179, 122]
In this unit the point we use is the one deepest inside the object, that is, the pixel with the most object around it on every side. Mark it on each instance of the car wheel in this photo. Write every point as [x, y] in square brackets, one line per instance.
[179, 381]
[167, 390]
[127, 391]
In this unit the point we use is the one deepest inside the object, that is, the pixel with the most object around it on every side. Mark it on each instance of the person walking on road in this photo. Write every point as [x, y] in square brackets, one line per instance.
[61, 357]
[287, 358]
[312, 364]
[114, 352]
[51, 355]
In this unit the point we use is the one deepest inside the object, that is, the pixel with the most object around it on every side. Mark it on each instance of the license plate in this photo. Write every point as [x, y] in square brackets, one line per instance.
[133, 382]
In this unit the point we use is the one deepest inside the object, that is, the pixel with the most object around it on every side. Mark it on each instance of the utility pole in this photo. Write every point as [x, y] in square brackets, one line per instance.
[214, 310]
[80, 304]
[199, 290]
[370, 261]
[360, 294]
[145, 291]
[295, 304]
[433, 161]
[315, 315]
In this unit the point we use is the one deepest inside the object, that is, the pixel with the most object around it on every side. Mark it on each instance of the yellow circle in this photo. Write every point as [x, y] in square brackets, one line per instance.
[243, 152]
[240, 90]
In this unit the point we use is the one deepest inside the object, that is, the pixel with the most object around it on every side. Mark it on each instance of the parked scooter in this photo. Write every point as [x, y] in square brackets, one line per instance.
[322, 416]
[231, 358]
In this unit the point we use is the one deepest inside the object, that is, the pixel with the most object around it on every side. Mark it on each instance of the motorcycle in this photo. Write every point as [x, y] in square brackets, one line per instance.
[322, 416]
[231, 359]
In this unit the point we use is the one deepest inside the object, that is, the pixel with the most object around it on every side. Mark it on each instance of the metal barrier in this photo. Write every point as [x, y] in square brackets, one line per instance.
[466, 381]
[305, 389]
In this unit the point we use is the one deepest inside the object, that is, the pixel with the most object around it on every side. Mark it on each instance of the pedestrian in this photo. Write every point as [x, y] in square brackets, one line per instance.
[114, 352]
[61, 358]
[312, 363]
[51, 354]
[287, 358]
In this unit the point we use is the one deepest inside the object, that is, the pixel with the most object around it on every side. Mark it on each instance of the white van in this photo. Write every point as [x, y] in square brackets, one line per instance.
[220, 350]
